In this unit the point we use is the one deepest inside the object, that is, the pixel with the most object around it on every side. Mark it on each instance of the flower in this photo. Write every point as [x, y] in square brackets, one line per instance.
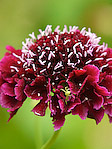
[67, 71]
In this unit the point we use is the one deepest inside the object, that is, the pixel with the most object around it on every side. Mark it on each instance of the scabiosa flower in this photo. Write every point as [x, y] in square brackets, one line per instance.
[67, 71]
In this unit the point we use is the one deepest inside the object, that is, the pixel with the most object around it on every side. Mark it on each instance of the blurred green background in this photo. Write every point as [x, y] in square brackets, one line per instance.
[18, 18]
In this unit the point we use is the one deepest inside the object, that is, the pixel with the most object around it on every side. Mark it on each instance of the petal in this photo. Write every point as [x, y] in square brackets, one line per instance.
[12, 113]
[40, 108]
[8, 89]
[19, 90]
[12, 50]
[110, 118]
[72, 105]
[32, 92]
[96, 114]
[6, 62]
[107, 82]
[58, 121]
[101, 90]
[93, 72]
[80, 110]
[9, 102]
[62, 105]
[40, 81]
[108, 109]
[97, 101]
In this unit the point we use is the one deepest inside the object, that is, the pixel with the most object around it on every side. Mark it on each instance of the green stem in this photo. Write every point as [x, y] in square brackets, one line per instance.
[49, 143]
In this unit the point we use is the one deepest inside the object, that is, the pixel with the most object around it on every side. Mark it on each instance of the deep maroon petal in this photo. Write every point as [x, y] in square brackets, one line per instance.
[9, 102]
[6, 63]
[96, 114]
[101, 90]
[93, 72]
[107, 82]
[12, 113]
[97, 101]
[8, 89]
[80, 110]
[108, 109]
[71, 105]
[62, 105]
[40, 108]
[110, 118]
[58, 121]
[32, 92]
[19, 90]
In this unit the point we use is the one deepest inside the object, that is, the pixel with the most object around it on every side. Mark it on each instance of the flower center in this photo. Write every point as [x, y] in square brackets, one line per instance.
[67, 92]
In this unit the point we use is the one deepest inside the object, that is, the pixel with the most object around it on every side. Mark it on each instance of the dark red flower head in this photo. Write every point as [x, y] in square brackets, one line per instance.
[67, 71]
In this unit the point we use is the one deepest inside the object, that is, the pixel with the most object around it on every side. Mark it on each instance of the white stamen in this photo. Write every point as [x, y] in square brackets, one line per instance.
[41, 56]
[42, 62]
[100, 47]
[31, 53]
[67, 49]
[65, 29]
[50, 55]
[104, 54]
[70, 54]
[81, 46]
[37, 113]
[41, 32]
[12, 70]
[34, 67]
[15, 68]
[80, 84]
[80, 54]
[65, 42]
[77, 56]
[49, 64]
[85, 53]
[103, 67]
[56, 39]
[47, 48]
[38, 94]
[78, 43]
[25, 64]
[53, 83]
[88, 62]
[24, 44]
[57, 29]
[18, 62]
[99, 58]
[42, 70]
[83, 31]
[58, 65]
[39, 47]
[32, 36]
[22, 75]
[52, 43]
[109, 59]
[18, 57]
[70, 64]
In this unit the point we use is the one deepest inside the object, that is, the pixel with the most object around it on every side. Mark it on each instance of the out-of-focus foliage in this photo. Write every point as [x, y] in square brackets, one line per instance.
[17, 20]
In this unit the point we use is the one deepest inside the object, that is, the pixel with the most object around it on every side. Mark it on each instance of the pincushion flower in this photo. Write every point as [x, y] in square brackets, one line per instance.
[68, 71]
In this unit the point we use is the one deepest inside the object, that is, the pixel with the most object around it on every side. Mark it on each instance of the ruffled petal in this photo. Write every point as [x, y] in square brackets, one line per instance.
[96, 114]
[40, 108]
[108, 109]
[19, 90]
[58, 121]
[93, 72]
[80, 110]
[8, 89]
